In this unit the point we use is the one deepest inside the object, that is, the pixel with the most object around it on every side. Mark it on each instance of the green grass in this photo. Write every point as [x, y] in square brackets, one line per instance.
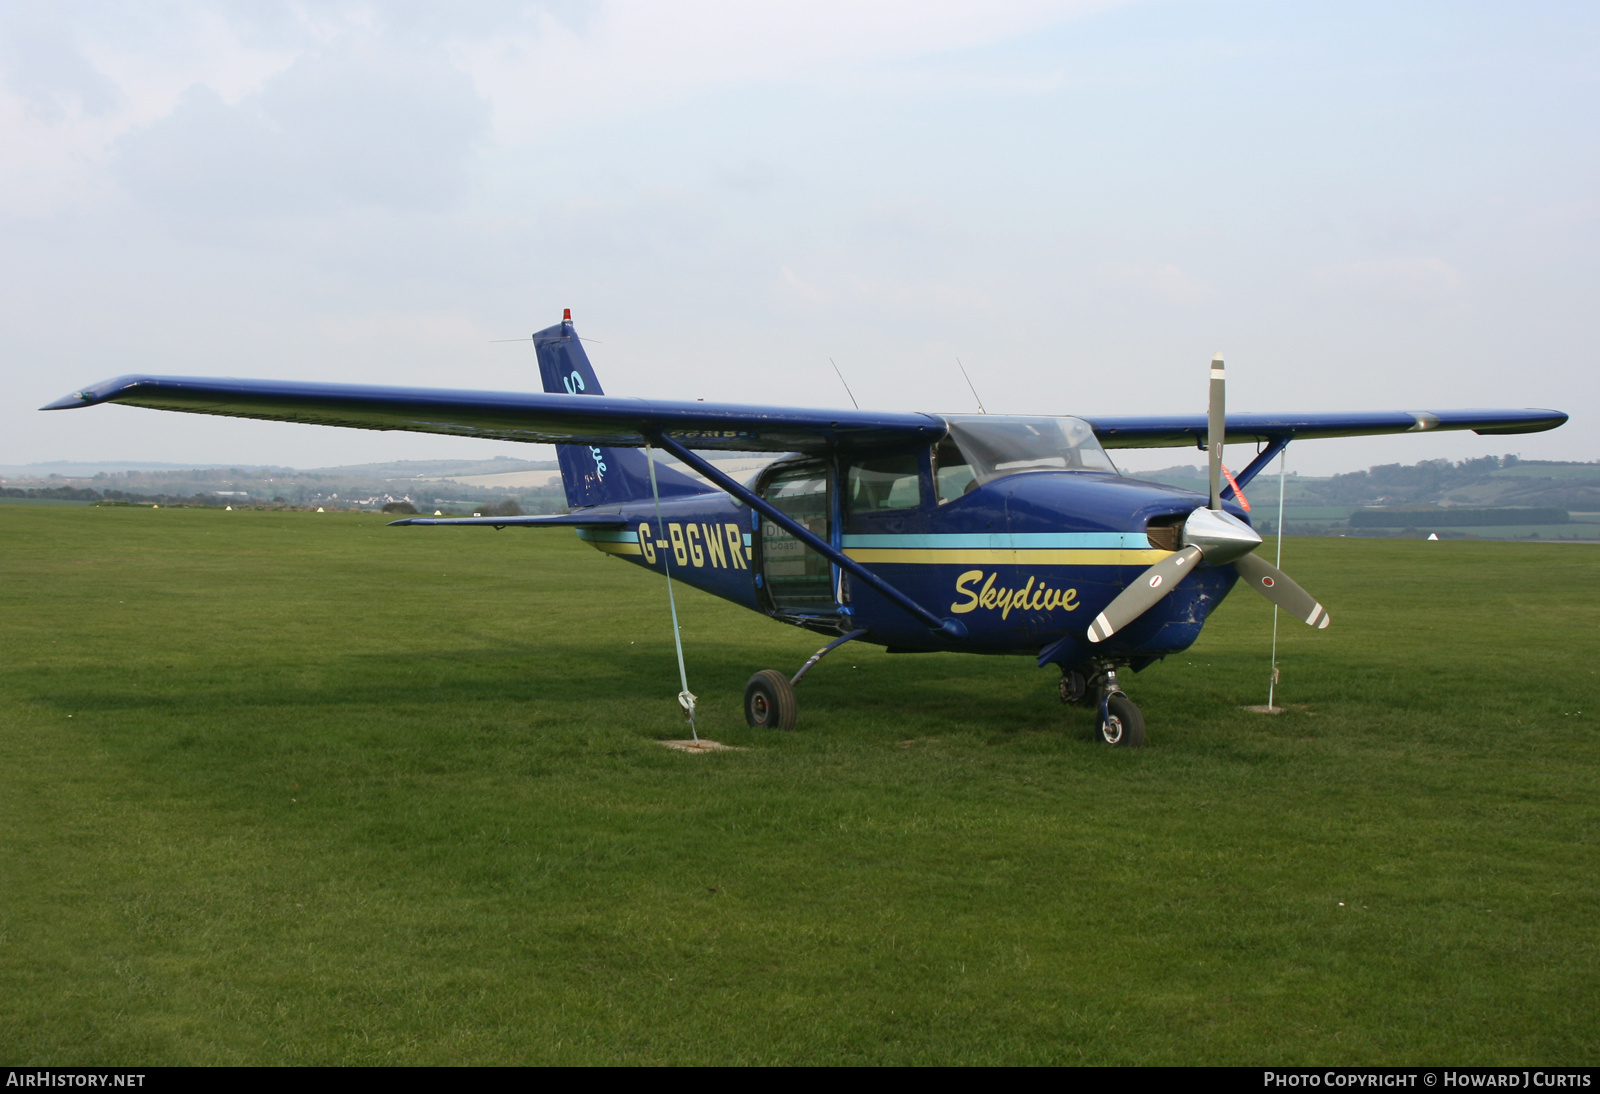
[282, 787]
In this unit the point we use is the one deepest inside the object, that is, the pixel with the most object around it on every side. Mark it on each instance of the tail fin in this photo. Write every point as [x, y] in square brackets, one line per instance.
[597, 476]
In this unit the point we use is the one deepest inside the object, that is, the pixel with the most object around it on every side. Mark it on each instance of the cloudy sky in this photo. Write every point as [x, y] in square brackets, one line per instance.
[1364, 206]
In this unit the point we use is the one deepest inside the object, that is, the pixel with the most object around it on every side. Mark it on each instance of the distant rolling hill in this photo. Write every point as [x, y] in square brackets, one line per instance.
[1490, 497]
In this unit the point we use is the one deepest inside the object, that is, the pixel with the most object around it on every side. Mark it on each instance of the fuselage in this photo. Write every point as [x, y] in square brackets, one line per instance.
[1024, 561]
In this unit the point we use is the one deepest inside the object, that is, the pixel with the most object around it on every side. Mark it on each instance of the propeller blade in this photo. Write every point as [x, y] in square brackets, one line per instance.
[1279, 587]
[1143, 594]
[1216, 427]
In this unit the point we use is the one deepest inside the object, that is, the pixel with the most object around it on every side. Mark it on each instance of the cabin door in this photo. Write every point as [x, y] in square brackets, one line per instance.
[796, 578]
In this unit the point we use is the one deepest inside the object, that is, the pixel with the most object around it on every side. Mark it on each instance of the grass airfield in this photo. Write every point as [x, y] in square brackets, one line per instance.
[285, 787]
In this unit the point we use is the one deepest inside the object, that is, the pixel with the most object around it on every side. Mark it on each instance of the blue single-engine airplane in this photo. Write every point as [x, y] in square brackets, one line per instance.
[975, 533]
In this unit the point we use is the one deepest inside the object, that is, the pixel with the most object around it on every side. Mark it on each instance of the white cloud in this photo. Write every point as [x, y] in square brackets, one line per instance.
[340, 129]
[1165, 281]
[1396, 280]
[636, 54]
[77, 81]
[72, 85]
[794, 287]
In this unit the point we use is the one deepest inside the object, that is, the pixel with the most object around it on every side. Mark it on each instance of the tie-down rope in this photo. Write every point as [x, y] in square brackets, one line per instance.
[1272, 684]
[685, 697]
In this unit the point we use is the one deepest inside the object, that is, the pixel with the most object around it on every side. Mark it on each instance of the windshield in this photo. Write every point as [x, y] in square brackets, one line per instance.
[994, 446]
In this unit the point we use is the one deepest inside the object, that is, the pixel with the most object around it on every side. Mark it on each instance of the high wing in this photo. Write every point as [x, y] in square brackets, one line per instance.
[605, 420]
[610, 420]
[1179, 430]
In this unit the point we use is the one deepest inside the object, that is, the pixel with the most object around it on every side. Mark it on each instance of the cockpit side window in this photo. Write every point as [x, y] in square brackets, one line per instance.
[952, 474]
[887, 482]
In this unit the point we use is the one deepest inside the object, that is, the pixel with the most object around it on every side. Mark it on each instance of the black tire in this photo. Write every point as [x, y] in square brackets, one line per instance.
[1124, 725]
[769, 701]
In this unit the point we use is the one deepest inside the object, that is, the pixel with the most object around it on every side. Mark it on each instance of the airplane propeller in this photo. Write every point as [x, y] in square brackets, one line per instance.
[1213, 536]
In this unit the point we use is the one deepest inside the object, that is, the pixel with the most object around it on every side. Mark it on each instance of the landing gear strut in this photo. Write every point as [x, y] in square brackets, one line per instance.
[1117, 721]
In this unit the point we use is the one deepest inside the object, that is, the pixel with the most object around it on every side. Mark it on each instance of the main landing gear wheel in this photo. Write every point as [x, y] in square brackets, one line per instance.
[1122, 726]
[769, 701]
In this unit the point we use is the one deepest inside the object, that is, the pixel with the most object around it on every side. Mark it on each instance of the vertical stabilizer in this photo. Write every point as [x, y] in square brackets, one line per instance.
[596, 476]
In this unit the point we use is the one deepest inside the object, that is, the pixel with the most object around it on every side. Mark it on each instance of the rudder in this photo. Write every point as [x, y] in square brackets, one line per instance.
[597, 476]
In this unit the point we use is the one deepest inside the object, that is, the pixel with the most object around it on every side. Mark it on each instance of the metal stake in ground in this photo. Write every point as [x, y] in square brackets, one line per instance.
[685, 697]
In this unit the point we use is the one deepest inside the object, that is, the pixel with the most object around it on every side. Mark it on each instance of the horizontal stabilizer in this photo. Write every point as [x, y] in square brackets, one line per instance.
[557, 520]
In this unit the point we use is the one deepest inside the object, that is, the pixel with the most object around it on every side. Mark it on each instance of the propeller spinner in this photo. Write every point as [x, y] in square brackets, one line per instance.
[1214, 537]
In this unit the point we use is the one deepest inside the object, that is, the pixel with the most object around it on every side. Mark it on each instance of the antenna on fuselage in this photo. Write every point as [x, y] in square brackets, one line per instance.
[847, 390]
[968, 379]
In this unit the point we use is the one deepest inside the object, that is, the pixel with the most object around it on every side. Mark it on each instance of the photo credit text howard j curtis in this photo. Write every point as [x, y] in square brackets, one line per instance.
[1429, 1078]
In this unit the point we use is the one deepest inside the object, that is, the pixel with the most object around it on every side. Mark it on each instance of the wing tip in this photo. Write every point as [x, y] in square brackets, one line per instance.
[1554, 419]
[104, 392]
[72, 402]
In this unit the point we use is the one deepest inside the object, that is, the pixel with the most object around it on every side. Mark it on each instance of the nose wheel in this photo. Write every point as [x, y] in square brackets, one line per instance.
[1118, 721]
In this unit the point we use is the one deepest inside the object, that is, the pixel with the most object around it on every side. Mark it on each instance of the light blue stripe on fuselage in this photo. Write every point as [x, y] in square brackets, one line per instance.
[607, 535]
[1005, 541]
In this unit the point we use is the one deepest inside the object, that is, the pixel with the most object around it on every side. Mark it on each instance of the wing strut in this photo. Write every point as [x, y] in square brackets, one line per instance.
[951, 627]
[1278, 444]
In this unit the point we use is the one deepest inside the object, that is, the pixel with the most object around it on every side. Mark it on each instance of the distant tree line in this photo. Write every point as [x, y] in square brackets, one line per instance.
[508, 507]
[83, 493]
[1455, 518]
[65, 493]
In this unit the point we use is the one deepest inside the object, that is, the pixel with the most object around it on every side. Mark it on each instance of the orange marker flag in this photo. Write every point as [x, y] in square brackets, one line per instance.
[1244, 502]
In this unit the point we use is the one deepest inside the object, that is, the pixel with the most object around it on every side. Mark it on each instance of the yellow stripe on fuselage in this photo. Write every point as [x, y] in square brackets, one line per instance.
[1085, 556]
[616, 548]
